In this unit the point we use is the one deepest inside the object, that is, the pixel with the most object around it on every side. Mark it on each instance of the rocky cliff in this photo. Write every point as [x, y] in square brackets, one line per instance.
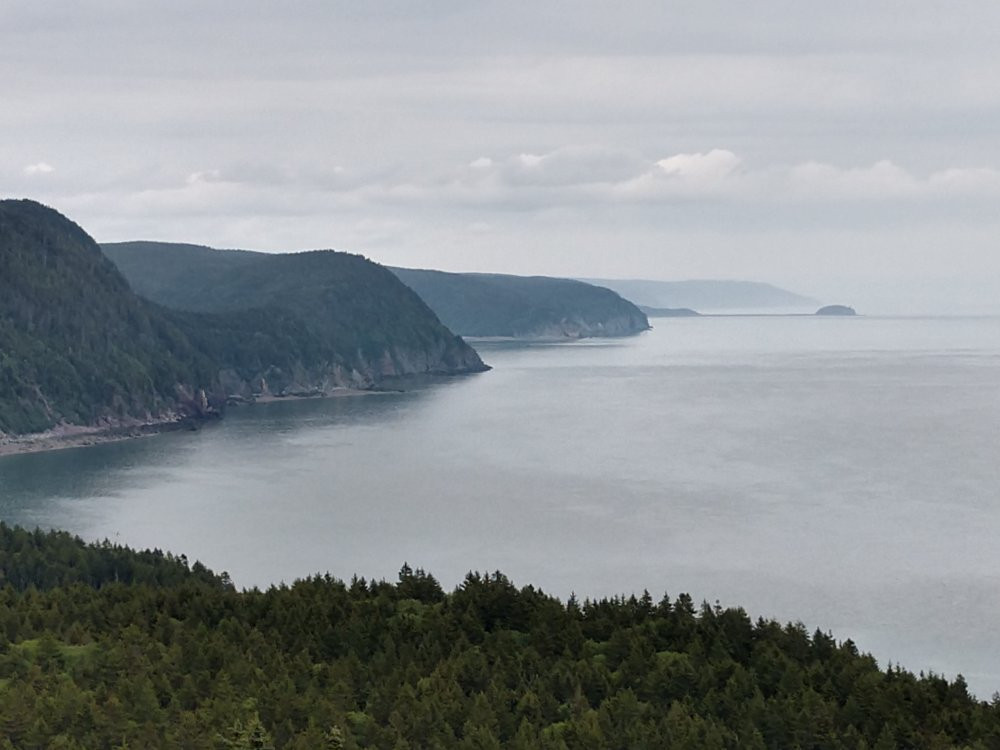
[81, 351]
[295, 323]
[77, 346]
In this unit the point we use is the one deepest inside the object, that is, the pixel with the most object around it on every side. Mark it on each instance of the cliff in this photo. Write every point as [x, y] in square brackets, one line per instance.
[77, 346]
[80, 351]
[476, 304]
[297, 323]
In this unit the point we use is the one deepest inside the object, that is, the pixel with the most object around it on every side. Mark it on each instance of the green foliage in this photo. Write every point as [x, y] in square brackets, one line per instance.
[478, 304]
[45, 560]
[76, 345]
[177, 658]
[273, 313]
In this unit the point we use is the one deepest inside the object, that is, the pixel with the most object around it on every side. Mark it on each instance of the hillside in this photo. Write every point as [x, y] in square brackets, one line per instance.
[80, 349]
[706, 295]
[296, 323]
[477, 304]
[77, 346]
[103, 647]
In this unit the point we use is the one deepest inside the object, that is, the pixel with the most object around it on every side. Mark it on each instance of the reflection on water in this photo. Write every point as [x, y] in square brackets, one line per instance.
[842, 472]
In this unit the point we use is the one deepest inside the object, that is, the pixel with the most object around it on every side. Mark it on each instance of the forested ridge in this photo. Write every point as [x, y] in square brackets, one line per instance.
[76, 345]
[317, 312]
[79, 347]
[488, 304]
[103, 647]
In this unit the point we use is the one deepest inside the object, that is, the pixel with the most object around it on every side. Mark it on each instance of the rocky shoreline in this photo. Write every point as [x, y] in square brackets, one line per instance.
[77, 436]
[67, 436]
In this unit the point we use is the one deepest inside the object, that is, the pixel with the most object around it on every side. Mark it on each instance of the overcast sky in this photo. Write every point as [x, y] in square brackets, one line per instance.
[848, 150]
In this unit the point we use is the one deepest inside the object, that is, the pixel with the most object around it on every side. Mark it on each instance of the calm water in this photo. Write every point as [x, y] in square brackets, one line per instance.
[839, 471]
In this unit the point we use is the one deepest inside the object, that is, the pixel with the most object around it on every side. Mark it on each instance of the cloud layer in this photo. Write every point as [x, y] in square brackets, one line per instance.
[831, 148]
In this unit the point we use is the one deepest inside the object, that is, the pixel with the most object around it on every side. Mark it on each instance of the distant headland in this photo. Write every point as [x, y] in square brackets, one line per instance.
[841, 310]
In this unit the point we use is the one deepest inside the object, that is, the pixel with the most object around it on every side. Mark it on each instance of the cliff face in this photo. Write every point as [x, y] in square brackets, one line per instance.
[77, 346]
[297, 323]
[475, 304]
[79, 349]
[577, 327]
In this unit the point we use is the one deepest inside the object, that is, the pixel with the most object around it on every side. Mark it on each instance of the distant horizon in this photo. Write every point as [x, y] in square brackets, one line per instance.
[847, 152]
[874, 308]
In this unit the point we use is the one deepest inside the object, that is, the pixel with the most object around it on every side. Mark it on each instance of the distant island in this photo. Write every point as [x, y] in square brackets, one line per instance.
[82, 354]
[501, 305]
[707, 294]
[841, 310]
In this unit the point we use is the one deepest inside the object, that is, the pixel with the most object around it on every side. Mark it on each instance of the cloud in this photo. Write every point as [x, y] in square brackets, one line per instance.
[886, 181]
[207, 175]
[565, 167]
[39, 169]
[716, 165]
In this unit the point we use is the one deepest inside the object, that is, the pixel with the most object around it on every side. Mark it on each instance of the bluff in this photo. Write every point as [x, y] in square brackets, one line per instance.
[478, 304]
[295, 323]
[77, 346]
[80, 349]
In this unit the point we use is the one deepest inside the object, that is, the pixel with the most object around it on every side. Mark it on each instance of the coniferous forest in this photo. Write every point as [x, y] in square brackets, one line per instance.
[105, 647]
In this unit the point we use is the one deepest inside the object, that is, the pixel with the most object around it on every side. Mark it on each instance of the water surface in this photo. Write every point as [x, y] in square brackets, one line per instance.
[842, 472]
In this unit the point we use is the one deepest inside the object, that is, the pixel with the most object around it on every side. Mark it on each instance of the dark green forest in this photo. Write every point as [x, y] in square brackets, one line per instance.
[482, 304]
[78, 346]
[104, 647]
[334, 308]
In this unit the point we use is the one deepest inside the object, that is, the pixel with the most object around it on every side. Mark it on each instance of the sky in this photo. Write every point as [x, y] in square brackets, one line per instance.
[848, 151]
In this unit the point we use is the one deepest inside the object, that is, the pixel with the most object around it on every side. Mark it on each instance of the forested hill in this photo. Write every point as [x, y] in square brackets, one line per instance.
[79, 348]
[350, 321]
[76, 344]
[101, 647]
[478, 304]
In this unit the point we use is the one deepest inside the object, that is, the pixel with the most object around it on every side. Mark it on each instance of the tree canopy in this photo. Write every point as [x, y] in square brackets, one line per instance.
[103, 647]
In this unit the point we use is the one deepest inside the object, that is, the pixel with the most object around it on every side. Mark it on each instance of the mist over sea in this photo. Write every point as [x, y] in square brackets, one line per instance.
[842, 472]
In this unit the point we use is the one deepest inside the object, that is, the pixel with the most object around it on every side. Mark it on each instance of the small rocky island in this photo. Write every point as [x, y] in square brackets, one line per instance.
[841, 310]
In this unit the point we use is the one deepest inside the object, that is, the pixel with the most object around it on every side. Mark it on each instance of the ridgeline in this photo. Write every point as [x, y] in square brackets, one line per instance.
[80, 349]
[483, 304]
[102, 647]
[297, 323]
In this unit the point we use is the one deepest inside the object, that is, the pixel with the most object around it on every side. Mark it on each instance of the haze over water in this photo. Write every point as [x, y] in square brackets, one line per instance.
[842, 472]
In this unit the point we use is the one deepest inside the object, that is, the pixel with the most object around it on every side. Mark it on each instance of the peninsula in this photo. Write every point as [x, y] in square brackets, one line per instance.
[501, 305]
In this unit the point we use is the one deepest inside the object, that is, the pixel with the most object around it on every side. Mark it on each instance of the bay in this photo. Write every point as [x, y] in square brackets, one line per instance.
[841, 472]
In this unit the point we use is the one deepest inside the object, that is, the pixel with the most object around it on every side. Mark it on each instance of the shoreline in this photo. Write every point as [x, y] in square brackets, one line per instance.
[76, 436]
[64, 437]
